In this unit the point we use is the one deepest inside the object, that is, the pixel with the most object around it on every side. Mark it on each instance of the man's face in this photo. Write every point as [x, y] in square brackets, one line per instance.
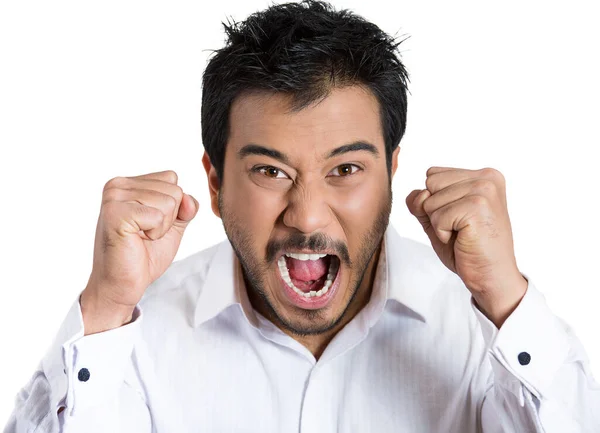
[290, 187]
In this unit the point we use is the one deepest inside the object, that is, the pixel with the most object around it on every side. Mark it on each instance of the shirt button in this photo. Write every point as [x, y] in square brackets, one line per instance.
[83, 375]
[524, 358]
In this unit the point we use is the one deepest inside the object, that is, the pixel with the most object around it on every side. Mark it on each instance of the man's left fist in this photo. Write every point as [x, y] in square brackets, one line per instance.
[465, 215]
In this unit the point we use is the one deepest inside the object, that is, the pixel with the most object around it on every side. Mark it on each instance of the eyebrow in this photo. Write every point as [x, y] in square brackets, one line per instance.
[255, 149]
[354, 147]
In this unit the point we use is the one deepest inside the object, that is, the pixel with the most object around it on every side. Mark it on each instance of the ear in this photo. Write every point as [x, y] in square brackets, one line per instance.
[395, 160]
[213, 184]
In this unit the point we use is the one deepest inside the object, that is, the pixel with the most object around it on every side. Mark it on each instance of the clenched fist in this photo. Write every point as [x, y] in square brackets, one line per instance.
[141, 223]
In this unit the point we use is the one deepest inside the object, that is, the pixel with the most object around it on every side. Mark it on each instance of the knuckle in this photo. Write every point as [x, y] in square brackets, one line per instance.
[429, 183]
[178, 194]
[428, 206]
[115, 182]
[492, 173]
[500, 177]
[150, 211]
[484, 186]
[161, 217]
[478, 200]
[172, 201]
[172, 176]
[111, 194]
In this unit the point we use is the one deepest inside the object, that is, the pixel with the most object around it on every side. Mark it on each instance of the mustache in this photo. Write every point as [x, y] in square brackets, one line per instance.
[318, 243]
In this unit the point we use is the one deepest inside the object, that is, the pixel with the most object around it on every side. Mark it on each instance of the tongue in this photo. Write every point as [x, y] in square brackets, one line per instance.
[307, 270]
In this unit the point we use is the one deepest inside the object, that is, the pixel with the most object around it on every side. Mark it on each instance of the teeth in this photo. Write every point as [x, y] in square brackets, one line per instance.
[285, 275]
[305, 256]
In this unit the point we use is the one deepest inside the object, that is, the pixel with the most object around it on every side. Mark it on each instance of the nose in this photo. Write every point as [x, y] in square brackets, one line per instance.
[307, 210]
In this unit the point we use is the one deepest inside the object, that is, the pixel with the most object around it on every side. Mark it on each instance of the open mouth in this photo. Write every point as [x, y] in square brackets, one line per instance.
[309, 275]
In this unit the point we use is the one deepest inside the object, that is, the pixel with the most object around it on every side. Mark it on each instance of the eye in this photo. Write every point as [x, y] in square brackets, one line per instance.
[344, 170]
[270, 171]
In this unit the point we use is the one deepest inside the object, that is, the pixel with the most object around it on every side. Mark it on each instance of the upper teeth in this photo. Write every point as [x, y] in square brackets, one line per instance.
[305, 256]
[331, 275]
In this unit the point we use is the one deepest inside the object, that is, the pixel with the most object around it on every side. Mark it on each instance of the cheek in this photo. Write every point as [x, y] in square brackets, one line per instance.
[358, 206]
[256, 209]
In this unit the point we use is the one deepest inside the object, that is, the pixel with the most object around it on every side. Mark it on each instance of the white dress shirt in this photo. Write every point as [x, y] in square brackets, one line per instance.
[420, 357]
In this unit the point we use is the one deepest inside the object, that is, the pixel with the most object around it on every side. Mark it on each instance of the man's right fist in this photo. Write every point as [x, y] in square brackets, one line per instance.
[141, 223]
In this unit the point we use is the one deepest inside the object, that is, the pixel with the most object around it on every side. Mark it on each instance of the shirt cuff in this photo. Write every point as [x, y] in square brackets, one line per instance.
[85, 370]
[529, 348]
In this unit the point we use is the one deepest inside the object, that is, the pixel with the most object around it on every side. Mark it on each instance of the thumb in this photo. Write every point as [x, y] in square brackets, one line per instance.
[187, 210]
[414, 202]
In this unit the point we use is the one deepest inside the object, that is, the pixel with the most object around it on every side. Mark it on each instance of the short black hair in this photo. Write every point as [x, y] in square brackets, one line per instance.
[303, 50]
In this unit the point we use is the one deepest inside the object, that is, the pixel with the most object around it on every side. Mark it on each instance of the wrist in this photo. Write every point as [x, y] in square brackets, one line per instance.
[499, 307]
[100, 315]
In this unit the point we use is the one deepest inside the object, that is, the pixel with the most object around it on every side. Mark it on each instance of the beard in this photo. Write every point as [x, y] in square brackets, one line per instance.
[255, 271]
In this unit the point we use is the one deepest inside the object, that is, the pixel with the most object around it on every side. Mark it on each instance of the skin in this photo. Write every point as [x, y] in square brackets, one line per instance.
[465, 215]
[269, 206]
[463, 212]
[293, 201]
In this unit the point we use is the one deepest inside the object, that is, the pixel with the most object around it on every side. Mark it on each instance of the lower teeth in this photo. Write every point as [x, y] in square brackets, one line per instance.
[333, 268]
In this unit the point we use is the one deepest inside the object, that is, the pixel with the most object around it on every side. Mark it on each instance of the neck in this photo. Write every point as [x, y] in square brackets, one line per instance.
[317, 343]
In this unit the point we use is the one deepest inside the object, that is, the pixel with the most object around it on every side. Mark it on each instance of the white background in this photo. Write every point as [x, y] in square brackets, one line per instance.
[93, 90]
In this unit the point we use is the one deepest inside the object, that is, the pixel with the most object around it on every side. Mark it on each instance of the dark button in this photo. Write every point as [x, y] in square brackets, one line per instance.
[84, 374]
[524, 358]
[64, 370]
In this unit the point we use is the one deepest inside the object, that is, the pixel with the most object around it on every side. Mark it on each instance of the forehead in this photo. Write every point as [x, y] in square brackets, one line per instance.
[345, 115]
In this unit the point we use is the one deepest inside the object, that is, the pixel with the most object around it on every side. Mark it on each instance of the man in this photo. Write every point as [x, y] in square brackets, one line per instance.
[315, 315]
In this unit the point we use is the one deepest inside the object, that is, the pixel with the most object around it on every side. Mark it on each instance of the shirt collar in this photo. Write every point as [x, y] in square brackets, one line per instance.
[410, 273]
[414, 272]
[223, 287]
